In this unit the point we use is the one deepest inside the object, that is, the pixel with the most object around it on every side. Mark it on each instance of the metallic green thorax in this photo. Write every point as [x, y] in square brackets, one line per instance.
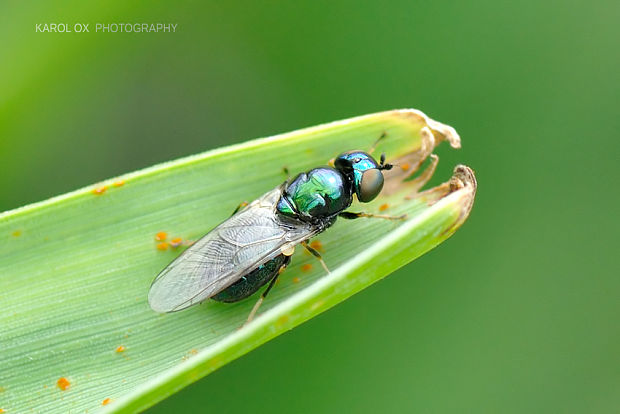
[319, 193]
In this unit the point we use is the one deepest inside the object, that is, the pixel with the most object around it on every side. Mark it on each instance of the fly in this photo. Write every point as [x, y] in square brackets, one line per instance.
[253, 247]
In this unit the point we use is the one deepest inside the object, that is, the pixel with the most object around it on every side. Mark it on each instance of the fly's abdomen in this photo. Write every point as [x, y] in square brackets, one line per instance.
[251, 282]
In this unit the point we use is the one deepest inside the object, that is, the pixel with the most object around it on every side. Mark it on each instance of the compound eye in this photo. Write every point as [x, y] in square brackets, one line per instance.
[370, 185]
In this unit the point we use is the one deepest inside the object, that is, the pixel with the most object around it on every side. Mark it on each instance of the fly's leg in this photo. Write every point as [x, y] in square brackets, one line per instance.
[260, 300]
[374, 146]
[239, 207]
[370, 151]
[286, 172]
[264, 295]
[351, 216]
[316, 254]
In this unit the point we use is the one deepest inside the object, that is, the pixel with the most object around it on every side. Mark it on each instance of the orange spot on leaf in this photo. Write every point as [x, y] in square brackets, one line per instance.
[119, 183]
[296, 279]
[106, 401]
[100, 190]
[120, 349]
[384, 207]
[161, 236]
[316, 245]
[162, 246]
[405, 166]
[63, 383]
[176, 242]
[306, 267]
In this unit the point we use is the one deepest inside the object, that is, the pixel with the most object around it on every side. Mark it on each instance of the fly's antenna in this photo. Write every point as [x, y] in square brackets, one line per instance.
[374, 146]
[383, 165]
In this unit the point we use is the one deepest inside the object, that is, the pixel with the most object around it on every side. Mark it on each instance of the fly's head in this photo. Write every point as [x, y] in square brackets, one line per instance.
[364, 172]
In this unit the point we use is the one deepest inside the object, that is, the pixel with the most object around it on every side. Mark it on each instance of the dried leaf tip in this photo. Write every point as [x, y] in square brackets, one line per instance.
[441, 132]
[464, 182]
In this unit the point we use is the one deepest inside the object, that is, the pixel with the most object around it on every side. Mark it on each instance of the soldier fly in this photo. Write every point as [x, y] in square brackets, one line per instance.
[252, 247]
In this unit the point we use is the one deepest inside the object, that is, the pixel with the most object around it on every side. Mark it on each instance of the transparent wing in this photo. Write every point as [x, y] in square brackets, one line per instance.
[246, 240]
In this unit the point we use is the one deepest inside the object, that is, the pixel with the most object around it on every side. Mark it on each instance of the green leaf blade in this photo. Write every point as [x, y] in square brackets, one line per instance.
[75, 269]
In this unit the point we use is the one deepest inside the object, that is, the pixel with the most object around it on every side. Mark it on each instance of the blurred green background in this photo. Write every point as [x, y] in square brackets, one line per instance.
[518, 312]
